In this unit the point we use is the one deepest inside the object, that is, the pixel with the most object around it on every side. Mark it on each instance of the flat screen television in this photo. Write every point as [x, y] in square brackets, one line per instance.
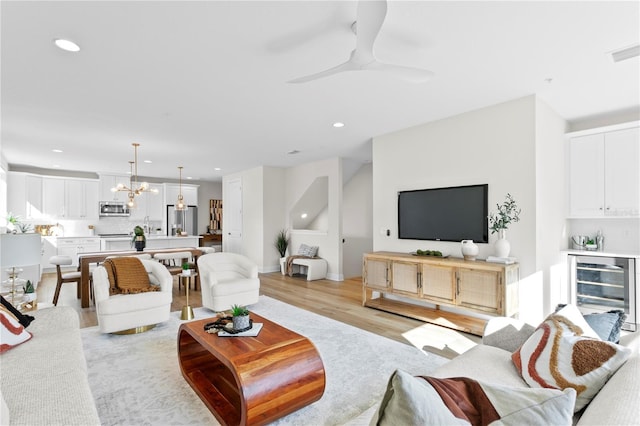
[444, 214]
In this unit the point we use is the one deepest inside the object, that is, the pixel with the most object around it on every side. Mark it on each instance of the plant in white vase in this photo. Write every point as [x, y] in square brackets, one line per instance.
[508, 212]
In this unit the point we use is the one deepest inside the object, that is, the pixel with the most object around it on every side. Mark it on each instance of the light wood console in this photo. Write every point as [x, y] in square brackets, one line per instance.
[478, 286]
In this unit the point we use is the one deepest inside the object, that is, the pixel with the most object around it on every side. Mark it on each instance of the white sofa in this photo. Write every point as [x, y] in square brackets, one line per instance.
[617, 403]
[44, 380]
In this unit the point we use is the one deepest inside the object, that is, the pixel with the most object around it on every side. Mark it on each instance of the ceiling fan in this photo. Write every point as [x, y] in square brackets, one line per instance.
[370, 17]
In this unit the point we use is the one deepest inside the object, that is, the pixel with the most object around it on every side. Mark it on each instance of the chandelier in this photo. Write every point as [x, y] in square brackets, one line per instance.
[134, 188]
[180, 203]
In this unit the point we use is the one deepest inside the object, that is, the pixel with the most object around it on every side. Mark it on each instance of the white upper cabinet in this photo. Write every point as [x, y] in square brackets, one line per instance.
[24, 195]
[110, 181]
[149, 204]
[70, 198]
[81, 199]
[189, 194]
[604, 176]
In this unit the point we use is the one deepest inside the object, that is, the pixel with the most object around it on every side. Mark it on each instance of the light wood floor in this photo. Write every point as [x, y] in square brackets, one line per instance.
[341, 301]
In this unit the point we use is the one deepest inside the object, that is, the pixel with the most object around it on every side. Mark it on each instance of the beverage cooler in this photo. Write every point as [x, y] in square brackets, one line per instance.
[601, 284]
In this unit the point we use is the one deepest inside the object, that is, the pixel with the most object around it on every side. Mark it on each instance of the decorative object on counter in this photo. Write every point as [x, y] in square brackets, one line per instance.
[282, 242]
[591, 244]
[600, 240]
[13, 223]
[434, 253]
[139, 240]
[134, 189]
[18, 250]
[499, 222]
[469, 249]
[180, 205]
[92, 230]
[240, 315]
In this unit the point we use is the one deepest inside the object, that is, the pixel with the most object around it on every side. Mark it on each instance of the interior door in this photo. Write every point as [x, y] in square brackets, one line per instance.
[232, 219]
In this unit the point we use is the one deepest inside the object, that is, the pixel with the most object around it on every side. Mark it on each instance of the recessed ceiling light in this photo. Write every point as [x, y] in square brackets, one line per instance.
[217, 169]
[67, 45]
[338, 124]
[56, 150]
[189, 178]
[148, 161]
[303, 215]
[293, 152]
[57, 166]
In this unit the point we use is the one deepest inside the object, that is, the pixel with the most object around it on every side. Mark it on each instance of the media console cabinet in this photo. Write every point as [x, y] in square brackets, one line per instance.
[476, 286]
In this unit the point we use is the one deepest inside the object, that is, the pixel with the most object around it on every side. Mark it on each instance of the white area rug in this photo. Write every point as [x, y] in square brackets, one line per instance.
[136, 379]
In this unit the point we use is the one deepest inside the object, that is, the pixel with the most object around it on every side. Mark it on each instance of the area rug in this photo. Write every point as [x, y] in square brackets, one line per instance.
[136, 379]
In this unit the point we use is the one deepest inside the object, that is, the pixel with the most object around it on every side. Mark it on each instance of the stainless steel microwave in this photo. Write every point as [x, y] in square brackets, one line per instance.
[114, 208]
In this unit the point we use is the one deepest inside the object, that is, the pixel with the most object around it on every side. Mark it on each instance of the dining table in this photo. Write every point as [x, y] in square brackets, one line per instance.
[86, 259]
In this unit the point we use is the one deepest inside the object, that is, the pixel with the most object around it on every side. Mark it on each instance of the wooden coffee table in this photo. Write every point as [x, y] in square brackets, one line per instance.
[250, 380]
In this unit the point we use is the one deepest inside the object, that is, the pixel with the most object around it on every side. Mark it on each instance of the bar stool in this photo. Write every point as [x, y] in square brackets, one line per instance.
[64, 277]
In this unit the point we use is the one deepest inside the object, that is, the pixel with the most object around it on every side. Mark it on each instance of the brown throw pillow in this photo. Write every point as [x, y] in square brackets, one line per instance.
[127, 275]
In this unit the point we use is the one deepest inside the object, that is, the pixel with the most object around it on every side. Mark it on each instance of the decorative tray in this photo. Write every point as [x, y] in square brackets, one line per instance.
[427, 254]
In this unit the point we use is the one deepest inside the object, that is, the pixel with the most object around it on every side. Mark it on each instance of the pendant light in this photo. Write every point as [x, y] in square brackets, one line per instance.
[180, 203]
[134, 188]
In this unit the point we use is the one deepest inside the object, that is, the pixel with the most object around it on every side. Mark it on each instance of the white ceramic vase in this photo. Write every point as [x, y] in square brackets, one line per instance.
[469, 249]
[502, 246]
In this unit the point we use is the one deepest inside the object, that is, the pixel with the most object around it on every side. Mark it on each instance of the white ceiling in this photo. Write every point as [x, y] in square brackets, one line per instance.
[204, 84]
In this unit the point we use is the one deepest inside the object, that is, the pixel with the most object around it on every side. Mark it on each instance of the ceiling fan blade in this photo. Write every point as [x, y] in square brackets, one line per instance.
[346, 66]
[370, 17]
[413, 75]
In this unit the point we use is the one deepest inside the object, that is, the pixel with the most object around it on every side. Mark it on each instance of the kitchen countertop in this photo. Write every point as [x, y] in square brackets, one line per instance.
[601, 253]
[128, 237]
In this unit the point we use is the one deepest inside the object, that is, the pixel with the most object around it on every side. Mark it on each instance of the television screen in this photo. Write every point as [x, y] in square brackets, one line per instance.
[444, 214]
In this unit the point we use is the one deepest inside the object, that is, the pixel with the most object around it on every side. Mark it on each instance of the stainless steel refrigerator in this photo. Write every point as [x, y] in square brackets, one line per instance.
[186, 220]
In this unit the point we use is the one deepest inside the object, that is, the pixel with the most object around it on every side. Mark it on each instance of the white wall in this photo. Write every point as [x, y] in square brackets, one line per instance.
[496, 145]
[298, 180]
[550, 234]
[274, 215]
[357, 220]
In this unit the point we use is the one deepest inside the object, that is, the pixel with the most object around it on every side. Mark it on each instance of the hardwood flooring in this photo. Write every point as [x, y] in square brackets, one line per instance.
[341, 301]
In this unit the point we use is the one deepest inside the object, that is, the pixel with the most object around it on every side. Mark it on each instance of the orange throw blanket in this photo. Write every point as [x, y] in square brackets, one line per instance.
[127, 275]
[290, 259]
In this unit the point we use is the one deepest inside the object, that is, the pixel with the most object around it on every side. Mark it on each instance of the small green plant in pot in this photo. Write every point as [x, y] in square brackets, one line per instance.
[186, 270]
[240, 317]
[139, 240]
[282, 242]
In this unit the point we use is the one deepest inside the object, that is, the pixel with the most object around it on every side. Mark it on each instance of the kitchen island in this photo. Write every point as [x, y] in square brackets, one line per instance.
[153, 242]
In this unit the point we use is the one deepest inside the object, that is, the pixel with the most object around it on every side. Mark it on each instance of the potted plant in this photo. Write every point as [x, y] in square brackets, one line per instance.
[185, 269]
[240, 317]
[507, 213]
[29, 291]
[139, 240]
[281, 244]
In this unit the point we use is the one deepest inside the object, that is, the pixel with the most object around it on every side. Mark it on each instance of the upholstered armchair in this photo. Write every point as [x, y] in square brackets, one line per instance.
[137, 312]
[228, 279]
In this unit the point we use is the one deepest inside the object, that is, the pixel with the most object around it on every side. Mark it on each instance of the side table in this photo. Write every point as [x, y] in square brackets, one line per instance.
[185, 279]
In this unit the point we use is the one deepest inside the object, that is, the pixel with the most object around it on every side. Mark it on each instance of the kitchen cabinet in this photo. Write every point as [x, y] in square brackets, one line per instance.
[53, 198]
[149, 204]
[111, 181]
[49, 249]
[604, 177]
[189, 194]
[81, 199]
[70, 198]
[477, 286]
[24, 195]
[73, 246]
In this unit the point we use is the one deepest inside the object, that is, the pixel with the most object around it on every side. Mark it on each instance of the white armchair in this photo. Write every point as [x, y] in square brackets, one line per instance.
[131, 313]
[228, 279]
